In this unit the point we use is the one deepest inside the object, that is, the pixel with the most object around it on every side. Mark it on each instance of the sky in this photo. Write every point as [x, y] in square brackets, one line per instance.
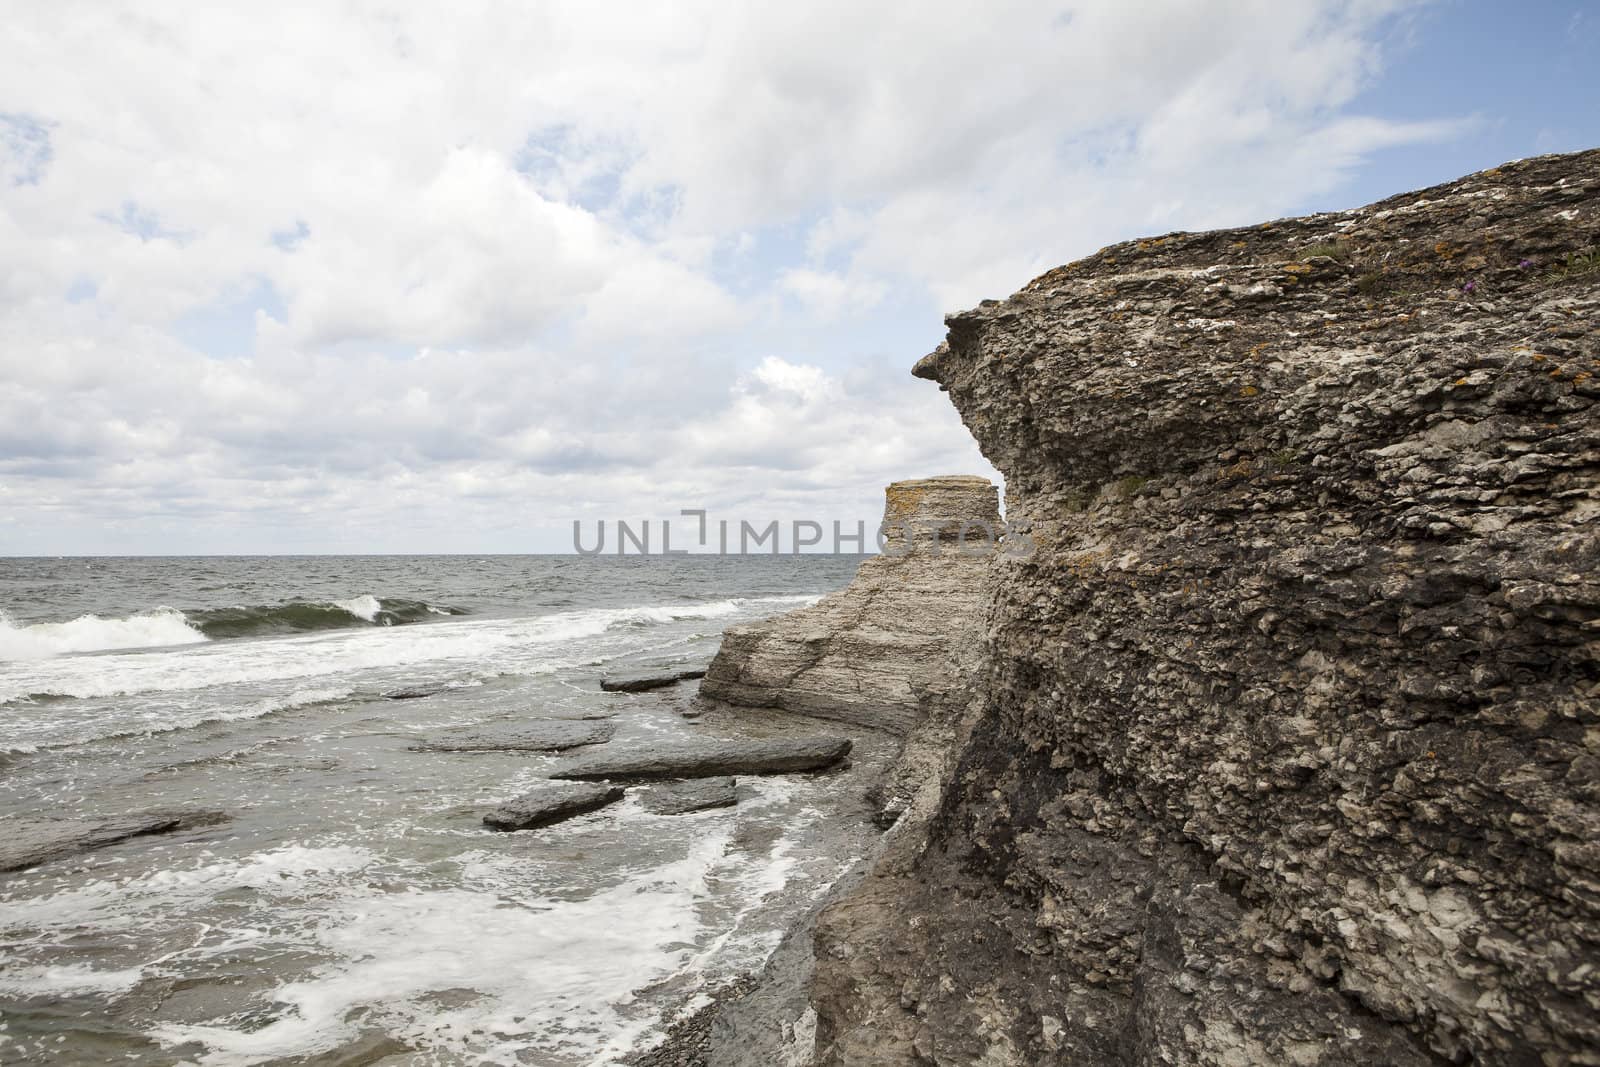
[369, 277]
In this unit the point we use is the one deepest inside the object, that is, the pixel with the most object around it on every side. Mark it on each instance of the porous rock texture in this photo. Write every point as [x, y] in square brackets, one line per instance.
[870, 653]
[1289, 735]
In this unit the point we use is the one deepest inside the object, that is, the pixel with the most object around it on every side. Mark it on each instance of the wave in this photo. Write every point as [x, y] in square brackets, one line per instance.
[300, 616]
[650, 616]
[91, 633]
[387, 657]
[168, 627]
[71, 734]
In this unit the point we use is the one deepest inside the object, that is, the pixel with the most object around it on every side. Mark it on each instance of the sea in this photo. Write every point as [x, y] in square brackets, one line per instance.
[351, 908]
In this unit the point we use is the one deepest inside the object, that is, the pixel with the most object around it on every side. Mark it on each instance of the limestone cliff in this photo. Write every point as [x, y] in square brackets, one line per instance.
[1290, 738]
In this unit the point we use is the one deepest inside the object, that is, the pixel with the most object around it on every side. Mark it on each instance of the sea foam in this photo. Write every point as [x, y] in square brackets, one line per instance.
[91, 633]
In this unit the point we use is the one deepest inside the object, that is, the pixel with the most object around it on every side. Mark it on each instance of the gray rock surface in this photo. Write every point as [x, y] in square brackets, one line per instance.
[681, 798]
[1289, 749]
[29, 842]
[551, 803]
[644, 681]
[710, 757]
[553, 736]
[870, 653]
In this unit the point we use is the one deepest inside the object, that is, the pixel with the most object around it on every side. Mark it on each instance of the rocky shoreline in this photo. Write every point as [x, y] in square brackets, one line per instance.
[1278, 743]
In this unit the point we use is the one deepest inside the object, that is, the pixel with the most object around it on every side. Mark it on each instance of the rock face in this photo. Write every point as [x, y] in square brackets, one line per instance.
[711, 757]
[869, 654]
[1290, 738]
[551, 803]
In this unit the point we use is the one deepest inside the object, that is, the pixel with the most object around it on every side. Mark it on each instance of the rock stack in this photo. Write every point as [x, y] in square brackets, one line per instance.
[874, 652]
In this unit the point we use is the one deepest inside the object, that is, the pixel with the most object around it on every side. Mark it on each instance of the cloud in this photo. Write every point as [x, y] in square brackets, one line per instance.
[299, 278]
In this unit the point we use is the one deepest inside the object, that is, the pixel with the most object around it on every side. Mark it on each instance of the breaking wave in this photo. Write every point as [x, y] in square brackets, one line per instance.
[299, 616]
[91, 633]
[165, 627]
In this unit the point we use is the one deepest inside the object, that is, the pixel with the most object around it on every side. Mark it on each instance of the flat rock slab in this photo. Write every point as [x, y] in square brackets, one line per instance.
[551, 803]
[705, 759]
[641, 681]
[29, 842]
[680, 798]
[535, 737]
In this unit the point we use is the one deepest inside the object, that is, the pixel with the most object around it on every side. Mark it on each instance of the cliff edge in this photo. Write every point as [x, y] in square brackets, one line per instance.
[1289, 748]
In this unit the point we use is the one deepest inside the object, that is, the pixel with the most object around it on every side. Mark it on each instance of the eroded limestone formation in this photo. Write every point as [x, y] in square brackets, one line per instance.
[1289, 748]
[871, 653]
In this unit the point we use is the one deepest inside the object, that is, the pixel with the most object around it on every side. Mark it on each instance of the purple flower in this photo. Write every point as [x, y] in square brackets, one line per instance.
[1469, 287]
[1525, 264]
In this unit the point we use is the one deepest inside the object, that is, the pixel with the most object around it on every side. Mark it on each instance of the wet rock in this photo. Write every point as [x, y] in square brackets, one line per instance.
[413, 694]
[680, 798]
[551, 803]
[704, 759]
[643, 681]
[688, 1040]
[29, 842]
[553, 736]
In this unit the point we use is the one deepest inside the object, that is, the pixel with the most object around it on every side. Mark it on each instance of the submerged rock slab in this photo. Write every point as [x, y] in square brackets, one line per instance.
[29, 842]
[681, 798]
[534, 737]
[644, 681]
[704, 759]
[551, 803]
[902, 631]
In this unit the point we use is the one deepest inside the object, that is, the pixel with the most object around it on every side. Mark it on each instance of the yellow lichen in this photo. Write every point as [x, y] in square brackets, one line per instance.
[1249, 390]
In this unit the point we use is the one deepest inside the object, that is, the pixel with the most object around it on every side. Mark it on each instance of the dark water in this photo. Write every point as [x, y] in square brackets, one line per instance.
[353, 905]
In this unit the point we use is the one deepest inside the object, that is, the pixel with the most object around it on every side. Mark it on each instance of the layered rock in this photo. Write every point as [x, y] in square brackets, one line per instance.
[1290, 737]
[30, 842]
[555, 736]
[710, 758]
[551, 802]
[872, 652]
[695, 794]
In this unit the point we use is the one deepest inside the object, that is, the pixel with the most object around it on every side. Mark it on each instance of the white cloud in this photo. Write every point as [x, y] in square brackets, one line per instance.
[827, 294]
[400, 269]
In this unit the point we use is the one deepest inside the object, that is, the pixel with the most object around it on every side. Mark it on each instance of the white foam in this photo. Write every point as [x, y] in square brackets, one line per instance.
[551, 978]
[545, 972]
[91, 633]
[109, 904]
[522, 645]
[365, 607]
[65, 980]
[92, 722]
